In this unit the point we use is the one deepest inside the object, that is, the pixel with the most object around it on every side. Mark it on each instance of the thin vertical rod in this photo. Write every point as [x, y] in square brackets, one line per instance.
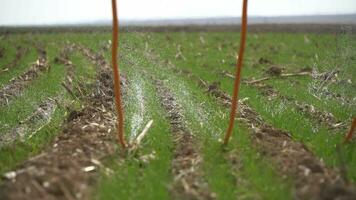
[238, 73]
[117, 90]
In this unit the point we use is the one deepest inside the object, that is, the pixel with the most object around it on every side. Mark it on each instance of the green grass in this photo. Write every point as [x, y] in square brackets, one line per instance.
[203, 117]
[13, 154]
[133, 179]
[341, 111]
[22, 66]
[9, 52]
[294, 54]
[48, 84]
[238, 172]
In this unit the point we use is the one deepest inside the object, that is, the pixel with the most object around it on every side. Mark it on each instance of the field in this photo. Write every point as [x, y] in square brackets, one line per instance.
[57, 117]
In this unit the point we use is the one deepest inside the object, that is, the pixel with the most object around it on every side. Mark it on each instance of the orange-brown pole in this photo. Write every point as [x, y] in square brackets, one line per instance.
[238, 72]
[352, 129]
[115, 67]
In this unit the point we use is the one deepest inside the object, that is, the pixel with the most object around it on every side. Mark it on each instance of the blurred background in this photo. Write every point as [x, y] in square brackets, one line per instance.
[74, 12]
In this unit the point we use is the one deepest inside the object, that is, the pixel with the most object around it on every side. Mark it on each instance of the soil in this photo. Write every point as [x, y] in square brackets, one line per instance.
[2, 52]
[20, 52]
[17, 84]
[68, 167]
[312, 179]
[274, 70]
[264, 61]
[321, 117]
[42, 115]
[188, 182]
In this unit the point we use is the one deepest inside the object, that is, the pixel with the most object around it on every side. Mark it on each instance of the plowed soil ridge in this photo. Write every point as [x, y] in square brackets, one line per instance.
[68, 167]
[17, 84]
[310, 111]
[188, 181]
[20, 52]
[42, 115]
[312, 179]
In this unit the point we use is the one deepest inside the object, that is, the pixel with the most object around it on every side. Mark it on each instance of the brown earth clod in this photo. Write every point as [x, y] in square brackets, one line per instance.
[2, 52]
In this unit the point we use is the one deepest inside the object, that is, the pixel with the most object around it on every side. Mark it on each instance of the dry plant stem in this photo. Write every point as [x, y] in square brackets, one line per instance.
[142, 135]
[135, 143]
[352, 129]
[115, 43]
[282, 75]
[69, 90]
[238, 72]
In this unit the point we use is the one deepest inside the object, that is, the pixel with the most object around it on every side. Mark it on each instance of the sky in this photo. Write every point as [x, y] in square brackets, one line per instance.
[46, 12]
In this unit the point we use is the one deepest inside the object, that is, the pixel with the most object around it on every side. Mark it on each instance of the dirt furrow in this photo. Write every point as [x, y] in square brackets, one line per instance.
[98, 59]
[68, 167]
[188, 181]
[20, 52]
[67, 83]
[42, 115]
[322, 117]
[2, 52]
[17, 84]
[312, 179]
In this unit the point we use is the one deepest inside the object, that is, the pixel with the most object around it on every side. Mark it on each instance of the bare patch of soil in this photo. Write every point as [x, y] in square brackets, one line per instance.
[106, 78]
[274, 70]
[264, 61]
[68, 167]
[17, 84]
[188, 182]
[2, 52]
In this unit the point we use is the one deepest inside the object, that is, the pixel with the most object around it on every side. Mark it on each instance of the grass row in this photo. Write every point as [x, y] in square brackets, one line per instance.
[23, 65]
[277, 112]
[8, 52]
[134, 178]
[203, 117]
[251, 175]
[290, 51]
[46, 85]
